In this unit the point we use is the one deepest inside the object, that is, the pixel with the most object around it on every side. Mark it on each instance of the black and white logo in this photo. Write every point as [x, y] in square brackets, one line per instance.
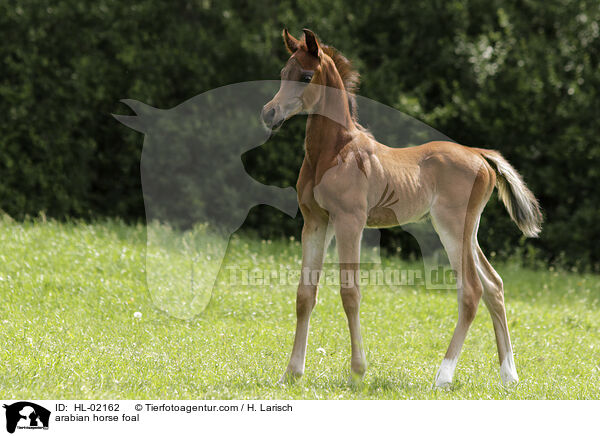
[26, 415]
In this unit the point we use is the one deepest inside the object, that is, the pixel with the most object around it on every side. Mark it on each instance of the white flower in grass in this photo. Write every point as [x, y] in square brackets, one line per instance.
[137, 315]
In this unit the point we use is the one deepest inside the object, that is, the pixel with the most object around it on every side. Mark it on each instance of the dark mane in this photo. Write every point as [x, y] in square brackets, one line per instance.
[349, 75]
[350, 78]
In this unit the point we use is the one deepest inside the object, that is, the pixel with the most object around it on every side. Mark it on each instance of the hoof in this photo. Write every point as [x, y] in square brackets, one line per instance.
[508, 372]
[441, 383]
[443, 378]
[289, 377]
[358, 366]
[509, 379]
[355, 378]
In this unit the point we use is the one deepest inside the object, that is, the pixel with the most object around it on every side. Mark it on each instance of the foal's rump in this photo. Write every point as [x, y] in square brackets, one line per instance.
[459, 171]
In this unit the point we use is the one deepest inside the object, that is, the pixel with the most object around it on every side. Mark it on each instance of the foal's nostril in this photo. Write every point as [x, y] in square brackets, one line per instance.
[268, 116]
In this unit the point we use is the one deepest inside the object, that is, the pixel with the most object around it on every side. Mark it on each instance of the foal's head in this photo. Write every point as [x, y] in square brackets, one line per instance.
[310, 65]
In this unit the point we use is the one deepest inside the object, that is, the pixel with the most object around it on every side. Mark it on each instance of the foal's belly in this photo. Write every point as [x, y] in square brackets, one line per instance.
[397, 204]
[382, 217]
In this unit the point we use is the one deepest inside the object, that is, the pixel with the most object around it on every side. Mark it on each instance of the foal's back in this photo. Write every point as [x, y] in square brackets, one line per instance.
[403, 183]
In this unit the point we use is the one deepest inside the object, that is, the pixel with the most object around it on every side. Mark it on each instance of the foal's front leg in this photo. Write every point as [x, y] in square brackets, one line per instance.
[315, 238]
[348, 233]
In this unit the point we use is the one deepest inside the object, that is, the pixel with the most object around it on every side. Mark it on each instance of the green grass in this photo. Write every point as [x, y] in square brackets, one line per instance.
[69, 292]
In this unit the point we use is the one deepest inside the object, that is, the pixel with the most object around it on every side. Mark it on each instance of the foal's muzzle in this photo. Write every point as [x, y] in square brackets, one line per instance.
[267, 116]
[271, 119]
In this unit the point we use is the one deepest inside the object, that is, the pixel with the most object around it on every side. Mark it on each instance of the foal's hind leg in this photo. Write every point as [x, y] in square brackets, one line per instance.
[456, 232]
[493, 296]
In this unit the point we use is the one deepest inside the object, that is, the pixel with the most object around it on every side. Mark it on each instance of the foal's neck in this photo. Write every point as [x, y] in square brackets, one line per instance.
[329, 127]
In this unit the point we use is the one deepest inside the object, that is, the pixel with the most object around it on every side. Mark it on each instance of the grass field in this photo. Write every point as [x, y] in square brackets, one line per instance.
[69, 292]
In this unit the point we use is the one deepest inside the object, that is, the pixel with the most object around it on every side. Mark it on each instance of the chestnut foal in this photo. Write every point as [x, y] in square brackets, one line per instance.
[349, 181]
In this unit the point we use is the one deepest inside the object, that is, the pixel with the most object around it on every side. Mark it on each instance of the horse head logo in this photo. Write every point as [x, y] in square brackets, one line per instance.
[26, 414]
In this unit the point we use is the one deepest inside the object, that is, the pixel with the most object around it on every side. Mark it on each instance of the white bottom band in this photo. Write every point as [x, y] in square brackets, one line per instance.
[445, 373]
[508, 370]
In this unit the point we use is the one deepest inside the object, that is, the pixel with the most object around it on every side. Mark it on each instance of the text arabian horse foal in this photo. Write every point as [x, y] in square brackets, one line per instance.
[349, 181]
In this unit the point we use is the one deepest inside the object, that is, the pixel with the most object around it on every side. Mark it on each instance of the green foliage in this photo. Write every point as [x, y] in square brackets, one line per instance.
[521, 77]
[70, 292]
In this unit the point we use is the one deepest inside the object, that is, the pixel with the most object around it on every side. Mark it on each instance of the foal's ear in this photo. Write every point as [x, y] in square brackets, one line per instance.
[312, 44]
[291, 43]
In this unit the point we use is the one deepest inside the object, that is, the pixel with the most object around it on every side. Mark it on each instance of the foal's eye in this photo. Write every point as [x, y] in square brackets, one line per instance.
[306, 78]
